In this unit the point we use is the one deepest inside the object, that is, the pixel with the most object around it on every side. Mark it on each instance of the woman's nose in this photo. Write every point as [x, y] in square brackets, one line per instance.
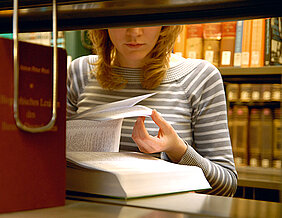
[135, 31]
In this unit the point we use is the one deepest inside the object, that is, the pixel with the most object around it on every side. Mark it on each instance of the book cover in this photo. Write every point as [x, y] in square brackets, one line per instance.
[233, 92]
[267, 45]
[227, 44]
[180, 43]
[276, 41]
[129, 175]
[194, 41]
[246, 43]
[240, 135]
[277, 158]
[266, 138]
[257, 43]
[32, 165]
[238, 44]
[255, 132]
[212, 37]
[256, 93]
[246, 92]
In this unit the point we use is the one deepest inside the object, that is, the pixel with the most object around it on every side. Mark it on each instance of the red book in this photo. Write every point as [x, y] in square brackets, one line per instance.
[227, 44]
[32, 165]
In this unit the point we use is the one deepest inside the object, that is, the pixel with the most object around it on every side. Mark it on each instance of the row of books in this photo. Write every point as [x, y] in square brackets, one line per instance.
[255, 136]
[244, 43]
[248, 92]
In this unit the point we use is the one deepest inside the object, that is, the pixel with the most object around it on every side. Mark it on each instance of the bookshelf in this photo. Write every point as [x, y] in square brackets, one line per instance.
[86, 14]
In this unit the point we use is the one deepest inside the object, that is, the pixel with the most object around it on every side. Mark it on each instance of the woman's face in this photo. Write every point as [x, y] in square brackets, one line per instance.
[134, 44]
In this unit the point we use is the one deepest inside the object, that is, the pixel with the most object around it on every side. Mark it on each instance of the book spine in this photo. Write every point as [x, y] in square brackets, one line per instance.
[246, 43]
[194, 41]
[257, 43]
[267, 48]
[240, 135]
[180, 43]
[275, 52]
[255, 131]
[266, 138]
[212, 37]
[238, 44]
[277, 163]
[227, 44]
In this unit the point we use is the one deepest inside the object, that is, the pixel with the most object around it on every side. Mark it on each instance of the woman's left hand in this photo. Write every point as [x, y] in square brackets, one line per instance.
[166, 141]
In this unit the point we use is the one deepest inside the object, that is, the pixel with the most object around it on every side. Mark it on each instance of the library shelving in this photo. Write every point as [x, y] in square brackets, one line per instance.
[36, 16]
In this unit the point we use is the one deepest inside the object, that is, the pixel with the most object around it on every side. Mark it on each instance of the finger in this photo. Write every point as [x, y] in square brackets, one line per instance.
[161, 122]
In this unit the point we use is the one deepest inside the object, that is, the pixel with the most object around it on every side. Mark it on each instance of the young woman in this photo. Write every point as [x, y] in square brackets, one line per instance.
[189, 123]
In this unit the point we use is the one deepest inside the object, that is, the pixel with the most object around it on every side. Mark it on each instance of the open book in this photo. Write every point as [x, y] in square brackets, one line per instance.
[129, 175]
[99, 128]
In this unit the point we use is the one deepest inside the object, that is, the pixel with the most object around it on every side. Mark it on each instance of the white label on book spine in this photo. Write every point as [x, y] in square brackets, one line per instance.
[245, 58]
[192, 54]
[209, 56]
[237, 59]
[226, 58]
[255, 58]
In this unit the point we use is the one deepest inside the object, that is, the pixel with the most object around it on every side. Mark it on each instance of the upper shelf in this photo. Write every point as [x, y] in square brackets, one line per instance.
[36, 15]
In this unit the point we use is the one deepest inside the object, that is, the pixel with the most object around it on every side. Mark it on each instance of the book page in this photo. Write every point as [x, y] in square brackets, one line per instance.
[109, 111]
[91, 135]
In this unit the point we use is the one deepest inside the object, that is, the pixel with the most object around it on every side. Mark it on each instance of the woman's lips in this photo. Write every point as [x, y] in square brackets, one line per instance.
[134, 45]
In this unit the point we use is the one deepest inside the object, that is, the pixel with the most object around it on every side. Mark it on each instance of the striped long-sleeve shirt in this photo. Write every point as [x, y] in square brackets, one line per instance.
[191, 98]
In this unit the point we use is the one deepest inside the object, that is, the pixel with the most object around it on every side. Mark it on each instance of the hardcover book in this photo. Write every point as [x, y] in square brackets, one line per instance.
[255, 132]
[227, 44]
[240, 135]
[238, 44]
[246, 43]
[32, 165]
[130, 175]
[180, 43]
[194, 41]
[257, 43]
[212, 37]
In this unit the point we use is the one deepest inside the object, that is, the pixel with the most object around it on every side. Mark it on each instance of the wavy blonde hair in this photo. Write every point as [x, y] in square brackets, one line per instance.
[156, 62]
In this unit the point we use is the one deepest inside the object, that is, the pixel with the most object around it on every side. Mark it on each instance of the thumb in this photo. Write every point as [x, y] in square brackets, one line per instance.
[161, 122]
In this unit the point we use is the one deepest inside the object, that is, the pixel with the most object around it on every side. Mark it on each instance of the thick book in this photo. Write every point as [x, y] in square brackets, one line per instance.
[32, 165]
[238, 44]
[180, 43]
[246, 43]
[194, 41]
[277, 153]
[98, 129]
[240, 135]
[257, 42]
[276, 41]
[212, 37]
[255, 139]
[266, 152]
[130, 175]
[227, 44]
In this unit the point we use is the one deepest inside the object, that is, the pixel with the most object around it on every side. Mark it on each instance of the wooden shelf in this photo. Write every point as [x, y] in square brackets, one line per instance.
[258, 177]
[36, 15]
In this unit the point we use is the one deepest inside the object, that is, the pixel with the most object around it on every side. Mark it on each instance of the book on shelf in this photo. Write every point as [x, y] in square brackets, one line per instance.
[194, 41]
[246, 92]
[99, 128]
[277, 153]
[274, 41]
[129, 175]
[276, 92]
[233, 92]
[180, 43]
[238, 44]
[227, 44]
[240, 134]
[32, 165]
[266, 151]
[256, 95]
[255, 131]
[257, 42]
[212, 37]
[246, 43]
